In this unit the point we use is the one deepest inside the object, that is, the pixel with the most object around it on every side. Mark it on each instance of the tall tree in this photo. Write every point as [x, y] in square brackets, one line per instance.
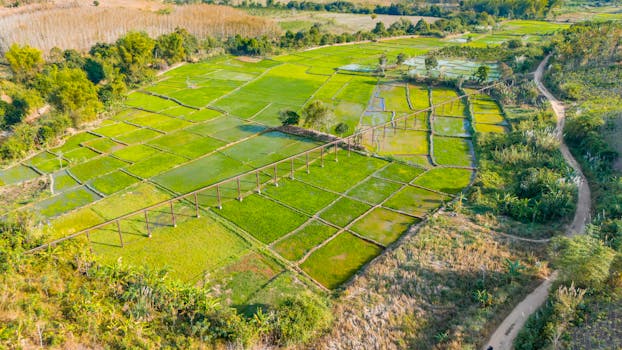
[25, 62]
[317, 116]
[135, 51]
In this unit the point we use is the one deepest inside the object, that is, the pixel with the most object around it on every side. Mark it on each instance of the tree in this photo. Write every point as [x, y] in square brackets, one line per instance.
[430, 63]
[300, 318]
[25, 62]
[135, 51]
[582, 259]
[422, 27]
[317, 115]
[170, 47]
[481, 74]
[289, 117]
[382, 62]
[342, 128]
[73, 93]
[380, 29]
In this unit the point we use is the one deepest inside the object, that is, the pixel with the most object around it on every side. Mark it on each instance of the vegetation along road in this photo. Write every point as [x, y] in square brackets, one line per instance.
[504, 335]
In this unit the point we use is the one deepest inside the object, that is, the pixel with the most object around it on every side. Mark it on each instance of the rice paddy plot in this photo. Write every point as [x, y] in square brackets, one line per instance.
[158, 122]
[344, 211]
[188, 251]
[62, 182]
[263, 218]
[66, 201]
[186, 144]
[452, 68]
[399, 172]
[457, 127]
[456, 108]
[304, 197]
[416, 201]
[96, 167]
[135, 153]
[16, 174]
[113, 182]
[374, 190]
[148, 102]
[116, 129]
[394, 97]
[419, 97]
[200, 173]
[295, 246]
[334, 263]
[383, 225]
[490, 128]
[79, 155]
[395, 141]
[447, 180]
[155, 164]
[453, 151]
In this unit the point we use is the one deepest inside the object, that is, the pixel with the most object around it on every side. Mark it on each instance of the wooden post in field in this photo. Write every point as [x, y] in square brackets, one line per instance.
[384, 131]
[336, 159]
[405, 121]
[173, 214]
[88, 238]
[196, 205]
[120, 235]
[257, 181]
[291, 173]
[322, 157]
[218, 195]
[239, 189]
[147, 224]
[276, 183]
[307, 157]
[373, 135]
[349, 145]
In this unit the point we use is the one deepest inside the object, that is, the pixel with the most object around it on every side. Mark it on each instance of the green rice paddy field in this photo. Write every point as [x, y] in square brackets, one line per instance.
[313, 223]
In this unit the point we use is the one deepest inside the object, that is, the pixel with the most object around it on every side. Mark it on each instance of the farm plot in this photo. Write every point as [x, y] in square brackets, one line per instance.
[455, 108]
[451, 68]
[453, 151]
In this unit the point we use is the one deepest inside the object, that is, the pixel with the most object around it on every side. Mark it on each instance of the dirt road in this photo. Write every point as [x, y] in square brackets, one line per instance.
[504, 335]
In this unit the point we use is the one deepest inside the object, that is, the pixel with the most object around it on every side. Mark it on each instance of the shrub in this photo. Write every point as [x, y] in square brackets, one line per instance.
[300, 318]
[582, 259]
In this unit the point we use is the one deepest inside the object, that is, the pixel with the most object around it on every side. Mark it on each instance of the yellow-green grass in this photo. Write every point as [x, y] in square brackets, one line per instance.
[96, 167]
[65, 201]
[400, 172]
[136, 153]
[74, 142]
[263, 218]
[451, 126]
[452, 151]
[420, 161]
[215, 126]
[383, 226]
[149, 102]
[79, 155]
[115, 129]
[334, 263]
[295, 246]
[155, 164]
[451, 109]
[447, 180]
[186, 144]
[419, 97]
[394, 97]
[341, 175]
[245, 277]
[416, 201]
[47, 162]
[104, 145]
[62, 181]
[159, 122]
[113, 182]
[285, 285]
[200, 173]
[344, 211]
[189, 249]
[488, 118]
[203, 115]
[400, 141]
[299, 195]
[485, 128]
[374, 190]
[139, 135]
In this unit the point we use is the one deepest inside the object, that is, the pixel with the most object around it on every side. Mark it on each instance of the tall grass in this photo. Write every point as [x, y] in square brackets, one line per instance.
[81, 27]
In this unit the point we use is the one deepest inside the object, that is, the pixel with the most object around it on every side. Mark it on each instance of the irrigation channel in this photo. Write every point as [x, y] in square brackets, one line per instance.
[352, 143]
[504, 335]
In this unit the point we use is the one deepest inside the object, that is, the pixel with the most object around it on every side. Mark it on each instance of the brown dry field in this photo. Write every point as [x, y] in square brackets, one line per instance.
[79, 24]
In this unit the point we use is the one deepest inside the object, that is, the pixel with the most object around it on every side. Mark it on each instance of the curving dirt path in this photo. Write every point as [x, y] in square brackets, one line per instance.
[503, 337]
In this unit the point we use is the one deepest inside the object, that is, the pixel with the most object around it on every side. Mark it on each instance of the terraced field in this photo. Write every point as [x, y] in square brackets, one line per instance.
[264, 213]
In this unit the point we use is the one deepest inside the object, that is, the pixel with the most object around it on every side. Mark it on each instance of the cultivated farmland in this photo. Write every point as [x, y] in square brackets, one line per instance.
[263, 212]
